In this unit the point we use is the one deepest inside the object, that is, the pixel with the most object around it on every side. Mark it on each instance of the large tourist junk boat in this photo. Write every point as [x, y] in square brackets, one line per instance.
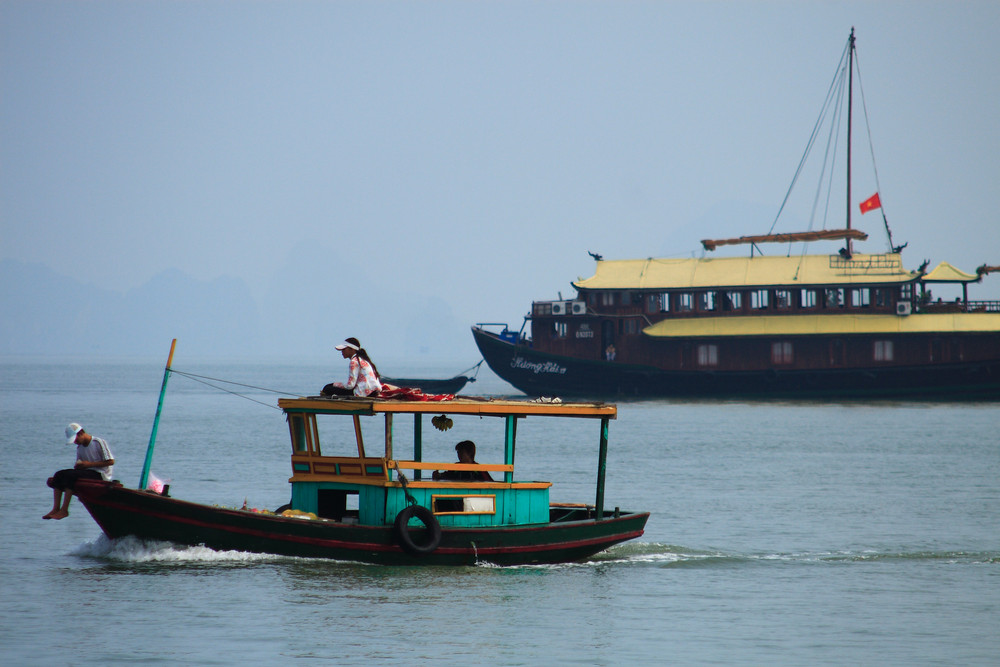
[386, 506]
[840, 324]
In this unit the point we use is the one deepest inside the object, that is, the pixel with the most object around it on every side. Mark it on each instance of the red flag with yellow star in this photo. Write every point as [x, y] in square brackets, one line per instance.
[870, 204]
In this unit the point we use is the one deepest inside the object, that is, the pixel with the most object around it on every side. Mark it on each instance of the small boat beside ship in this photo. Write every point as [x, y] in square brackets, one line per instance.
[351, 503]
[843, 324]
[451, 385]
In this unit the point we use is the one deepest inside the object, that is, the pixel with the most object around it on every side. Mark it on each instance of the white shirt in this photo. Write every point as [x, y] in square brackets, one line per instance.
[97, 450]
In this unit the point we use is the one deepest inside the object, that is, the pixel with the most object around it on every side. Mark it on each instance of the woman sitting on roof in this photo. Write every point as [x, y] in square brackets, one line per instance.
[362, 379]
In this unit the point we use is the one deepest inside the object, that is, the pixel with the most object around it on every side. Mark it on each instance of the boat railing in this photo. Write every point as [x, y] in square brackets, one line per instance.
[314, 467]
[960, 307]
[463, 467]
[982, 306]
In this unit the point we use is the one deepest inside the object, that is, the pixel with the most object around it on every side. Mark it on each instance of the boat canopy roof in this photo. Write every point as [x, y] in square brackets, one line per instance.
[739, 272]
[465, 406]
[946, 273]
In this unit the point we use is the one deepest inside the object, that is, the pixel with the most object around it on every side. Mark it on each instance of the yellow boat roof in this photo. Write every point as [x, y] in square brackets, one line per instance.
[462, 405]
[737, 272]
[946, 273]
[804, 325]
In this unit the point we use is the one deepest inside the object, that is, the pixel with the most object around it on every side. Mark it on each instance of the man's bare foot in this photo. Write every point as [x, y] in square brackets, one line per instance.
[49, 515]
[61, 514]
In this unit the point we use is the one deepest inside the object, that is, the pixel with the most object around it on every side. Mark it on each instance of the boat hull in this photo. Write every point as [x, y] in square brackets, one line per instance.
[122, 512]
[539, 373]
[445, 386]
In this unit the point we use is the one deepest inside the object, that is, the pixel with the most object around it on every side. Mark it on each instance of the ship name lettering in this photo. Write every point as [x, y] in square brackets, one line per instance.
[537, 366]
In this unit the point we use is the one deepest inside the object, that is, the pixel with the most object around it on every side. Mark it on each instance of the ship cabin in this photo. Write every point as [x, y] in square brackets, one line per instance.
[746, 313]
[340, 475]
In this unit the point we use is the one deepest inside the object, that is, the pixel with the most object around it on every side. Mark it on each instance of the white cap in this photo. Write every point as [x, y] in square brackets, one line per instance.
[71, 432]
[345, 345]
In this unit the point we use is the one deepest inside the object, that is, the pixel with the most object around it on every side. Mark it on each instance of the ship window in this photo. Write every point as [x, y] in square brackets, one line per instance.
[475, 504]
[706, 301]
[782, 299]
[558, 329]
[808, 297]
[835, 297]
[631, 326]
[883, 350]
[708, 355]
[781, 353]
[861, 297]
[685, 301]
[658, 303]
[906, 292]
[543, 308]
[882, 298]
[607, 298]
[758, 299]
[732, 301]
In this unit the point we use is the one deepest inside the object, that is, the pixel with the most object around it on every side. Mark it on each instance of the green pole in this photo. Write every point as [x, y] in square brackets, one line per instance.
[602, 465]
[418, 443]
[510, 436]
[156, 420]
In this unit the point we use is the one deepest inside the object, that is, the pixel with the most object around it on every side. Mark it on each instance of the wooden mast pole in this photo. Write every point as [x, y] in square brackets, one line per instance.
[144, 477]
[850, 102]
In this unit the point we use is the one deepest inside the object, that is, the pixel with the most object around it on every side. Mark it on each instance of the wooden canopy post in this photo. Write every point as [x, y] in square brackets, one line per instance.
[358, 436]
[510, 435]
[388, 435]
[418, 442]
[602, 465]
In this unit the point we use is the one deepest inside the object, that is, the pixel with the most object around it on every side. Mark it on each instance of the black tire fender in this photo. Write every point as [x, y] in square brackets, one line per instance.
[404, 536]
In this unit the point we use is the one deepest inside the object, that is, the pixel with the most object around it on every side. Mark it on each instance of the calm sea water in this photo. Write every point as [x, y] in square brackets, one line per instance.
[781, 533]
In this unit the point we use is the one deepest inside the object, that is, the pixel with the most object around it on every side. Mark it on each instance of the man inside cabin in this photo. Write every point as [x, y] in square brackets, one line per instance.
[466, 454]
[93, 461]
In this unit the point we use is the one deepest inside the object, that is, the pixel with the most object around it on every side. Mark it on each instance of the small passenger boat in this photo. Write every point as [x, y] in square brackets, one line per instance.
[379, 507]
[451, 385]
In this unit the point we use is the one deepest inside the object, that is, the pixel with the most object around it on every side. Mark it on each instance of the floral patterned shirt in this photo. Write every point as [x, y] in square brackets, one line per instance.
[361, 378]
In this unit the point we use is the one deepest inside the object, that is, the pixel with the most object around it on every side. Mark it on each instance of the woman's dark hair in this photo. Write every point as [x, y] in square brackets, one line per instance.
[364, 355]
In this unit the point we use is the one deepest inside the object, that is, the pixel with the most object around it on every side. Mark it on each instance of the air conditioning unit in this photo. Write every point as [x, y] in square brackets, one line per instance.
[578, 307]
[903, 308]
[558, 307]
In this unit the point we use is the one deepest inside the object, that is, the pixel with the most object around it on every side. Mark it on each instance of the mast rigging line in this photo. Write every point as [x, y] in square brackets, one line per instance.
[203, 379]
[832, 109]
[815, 132]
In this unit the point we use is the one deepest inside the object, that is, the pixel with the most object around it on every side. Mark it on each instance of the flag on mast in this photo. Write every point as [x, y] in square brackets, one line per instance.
[870, 204]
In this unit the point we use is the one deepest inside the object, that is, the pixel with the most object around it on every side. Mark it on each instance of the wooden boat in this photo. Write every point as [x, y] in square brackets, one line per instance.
[840, 324]
[451, 385]
[379, 507]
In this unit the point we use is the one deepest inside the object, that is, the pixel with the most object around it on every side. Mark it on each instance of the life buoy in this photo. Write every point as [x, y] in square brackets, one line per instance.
[406, 538]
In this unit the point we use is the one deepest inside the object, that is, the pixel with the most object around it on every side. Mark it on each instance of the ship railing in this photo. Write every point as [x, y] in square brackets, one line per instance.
[961, 307]
[983, 306]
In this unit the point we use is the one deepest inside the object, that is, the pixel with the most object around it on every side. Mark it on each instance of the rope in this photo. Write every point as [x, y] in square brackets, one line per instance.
[202, 379]
[871, 148]
[815, 131]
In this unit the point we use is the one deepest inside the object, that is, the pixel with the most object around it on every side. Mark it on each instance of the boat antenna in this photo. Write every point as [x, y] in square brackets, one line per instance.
[850, 95]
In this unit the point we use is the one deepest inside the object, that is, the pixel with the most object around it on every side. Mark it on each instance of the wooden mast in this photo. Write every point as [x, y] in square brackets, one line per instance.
[850, 93]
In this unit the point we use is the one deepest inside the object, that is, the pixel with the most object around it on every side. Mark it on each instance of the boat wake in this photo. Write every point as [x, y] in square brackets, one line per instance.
[134, 550]
[678, 556]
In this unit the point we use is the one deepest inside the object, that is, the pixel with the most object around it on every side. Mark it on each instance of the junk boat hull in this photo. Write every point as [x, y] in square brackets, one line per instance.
[539, 373]
[572, 534]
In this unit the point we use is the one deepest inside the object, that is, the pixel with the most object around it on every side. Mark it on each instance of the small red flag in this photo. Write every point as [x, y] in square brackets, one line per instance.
[870, 204]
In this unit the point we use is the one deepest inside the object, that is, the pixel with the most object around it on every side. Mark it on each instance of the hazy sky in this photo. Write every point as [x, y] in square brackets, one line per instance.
[477, 150]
